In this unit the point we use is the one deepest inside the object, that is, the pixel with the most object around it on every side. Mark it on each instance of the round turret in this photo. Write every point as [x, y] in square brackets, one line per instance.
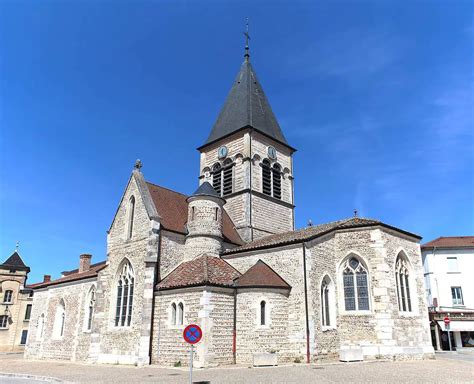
[204, 222]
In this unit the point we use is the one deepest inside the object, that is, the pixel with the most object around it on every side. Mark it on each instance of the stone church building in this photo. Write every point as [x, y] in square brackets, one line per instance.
[229, 259]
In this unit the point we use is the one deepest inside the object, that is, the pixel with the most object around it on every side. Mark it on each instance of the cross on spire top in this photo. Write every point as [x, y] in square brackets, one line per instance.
[247, 38]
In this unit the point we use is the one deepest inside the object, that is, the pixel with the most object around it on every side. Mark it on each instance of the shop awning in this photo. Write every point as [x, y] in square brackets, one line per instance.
[458, 326]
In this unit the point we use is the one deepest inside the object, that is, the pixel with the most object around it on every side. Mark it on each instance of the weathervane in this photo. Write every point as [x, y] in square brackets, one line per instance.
[356, 213]
[17, 247]
[247, 38]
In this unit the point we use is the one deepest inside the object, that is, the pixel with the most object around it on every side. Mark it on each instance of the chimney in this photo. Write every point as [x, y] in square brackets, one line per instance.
[84, 262]
[46, 278]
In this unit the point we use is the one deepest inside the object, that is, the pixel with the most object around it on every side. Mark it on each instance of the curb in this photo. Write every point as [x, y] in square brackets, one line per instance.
[34, 377]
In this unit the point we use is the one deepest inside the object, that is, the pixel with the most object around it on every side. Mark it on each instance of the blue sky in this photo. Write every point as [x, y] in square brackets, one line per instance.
[376, 96]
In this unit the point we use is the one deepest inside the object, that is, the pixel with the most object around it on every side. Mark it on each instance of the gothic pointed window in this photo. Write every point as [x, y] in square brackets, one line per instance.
[131, 214]
[124, 304]
[59, 320]
[40, 327]
[403, 285]
[89, 310]
[355, 283]
[276, 179]
[266, 178]
[217, 178]
[325, 309]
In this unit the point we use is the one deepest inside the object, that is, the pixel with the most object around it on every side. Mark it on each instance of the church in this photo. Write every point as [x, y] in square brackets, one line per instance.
[228, 258]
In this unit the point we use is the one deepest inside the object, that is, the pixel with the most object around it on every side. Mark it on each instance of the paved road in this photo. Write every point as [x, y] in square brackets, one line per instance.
[455, 356]
[20, 380]
[444, 370]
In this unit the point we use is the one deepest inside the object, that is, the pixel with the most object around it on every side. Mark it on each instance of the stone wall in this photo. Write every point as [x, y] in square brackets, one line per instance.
[247, 150]
[210, 308]
[127, 344]
[252, 337]
[75, 342]
[288, 263]
[382, 331]
[172, 251]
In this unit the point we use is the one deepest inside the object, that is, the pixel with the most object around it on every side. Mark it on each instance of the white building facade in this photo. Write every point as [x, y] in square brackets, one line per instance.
[447, 263]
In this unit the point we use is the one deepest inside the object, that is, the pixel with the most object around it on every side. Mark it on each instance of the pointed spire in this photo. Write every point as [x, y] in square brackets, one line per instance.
[246, 106]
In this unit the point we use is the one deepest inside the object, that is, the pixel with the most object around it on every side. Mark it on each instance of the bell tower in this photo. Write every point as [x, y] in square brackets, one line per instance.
[248, 161]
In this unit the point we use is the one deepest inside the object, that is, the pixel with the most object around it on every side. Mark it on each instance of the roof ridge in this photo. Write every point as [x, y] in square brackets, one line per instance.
[168, 189]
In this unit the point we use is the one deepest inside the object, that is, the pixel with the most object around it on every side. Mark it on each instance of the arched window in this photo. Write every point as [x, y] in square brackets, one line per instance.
[40, 330]
[180, 314]
[325, 314]
[90, 303]
[266, 178]
[222, 178]
[276, 178]
[131, 214]
[173, 313]
[217, 178]
[403, 286]
[125, 284]
[59, 320]
[263, 320]
[8, 296]
[356, 290]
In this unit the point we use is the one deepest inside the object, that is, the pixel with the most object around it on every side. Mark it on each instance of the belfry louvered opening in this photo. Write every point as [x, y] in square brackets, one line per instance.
[222, 178]
[266, 178]
[271, 179]
[276, 174]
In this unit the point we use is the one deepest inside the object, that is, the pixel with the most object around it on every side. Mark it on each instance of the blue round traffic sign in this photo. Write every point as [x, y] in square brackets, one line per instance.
[192, 334]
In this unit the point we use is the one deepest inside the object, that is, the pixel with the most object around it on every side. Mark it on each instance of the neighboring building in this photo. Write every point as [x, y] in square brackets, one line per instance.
[16, 304]
[228, 258]
[448, 263]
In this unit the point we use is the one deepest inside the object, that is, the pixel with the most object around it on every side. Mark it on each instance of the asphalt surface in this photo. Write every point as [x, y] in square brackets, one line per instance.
[445, 369]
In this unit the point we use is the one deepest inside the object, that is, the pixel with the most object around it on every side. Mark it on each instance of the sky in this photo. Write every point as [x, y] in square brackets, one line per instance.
[377, 96]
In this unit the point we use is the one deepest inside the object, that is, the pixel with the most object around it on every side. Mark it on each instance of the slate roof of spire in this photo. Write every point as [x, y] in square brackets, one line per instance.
[15, 262]
[205, 189]
[246, 106]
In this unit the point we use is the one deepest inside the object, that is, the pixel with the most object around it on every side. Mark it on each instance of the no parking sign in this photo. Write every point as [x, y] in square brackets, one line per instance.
[192, 334]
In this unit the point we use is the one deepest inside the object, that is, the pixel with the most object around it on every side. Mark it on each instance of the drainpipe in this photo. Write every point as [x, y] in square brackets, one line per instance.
[156, 279]
[234, 330]
[308, 354]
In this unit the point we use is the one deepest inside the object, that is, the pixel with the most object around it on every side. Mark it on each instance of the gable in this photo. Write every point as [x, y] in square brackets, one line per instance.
[172, 208]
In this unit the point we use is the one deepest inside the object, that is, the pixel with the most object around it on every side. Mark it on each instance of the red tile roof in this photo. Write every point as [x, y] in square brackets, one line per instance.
[72, 276]
[450, 242]
[261, 275]
[173, 210]
[204, 270]
[309, 233]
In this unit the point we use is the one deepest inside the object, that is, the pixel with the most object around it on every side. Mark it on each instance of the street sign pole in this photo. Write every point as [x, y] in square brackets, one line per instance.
[191, 364]
[449, 337]
[447, 321]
